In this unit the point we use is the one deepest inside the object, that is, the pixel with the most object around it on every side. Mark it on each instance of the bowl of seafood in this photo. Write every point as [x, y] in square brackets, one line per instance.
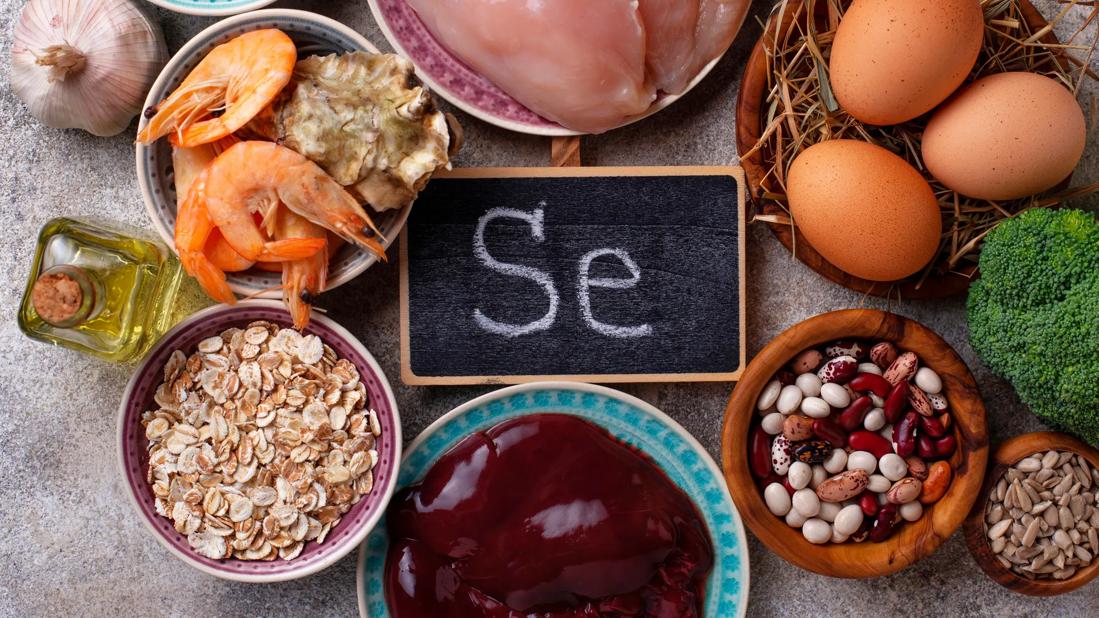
[582, 67]
[256, 452]
[279, 150]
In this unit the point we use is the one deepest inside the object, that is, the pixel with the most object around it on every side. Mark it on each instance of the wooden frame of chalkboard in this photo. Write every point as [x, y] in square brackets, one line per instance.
[737, 173]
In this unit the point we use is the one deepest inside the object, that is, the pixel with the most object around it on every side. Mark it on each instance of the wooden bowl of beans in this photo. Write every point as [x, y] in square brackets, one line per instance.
[855, 443]
[1035, 527]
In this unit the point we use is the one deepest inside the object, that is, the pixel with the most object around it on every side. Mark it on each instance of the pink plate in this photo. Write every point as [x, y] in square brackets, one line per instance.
[468, 90]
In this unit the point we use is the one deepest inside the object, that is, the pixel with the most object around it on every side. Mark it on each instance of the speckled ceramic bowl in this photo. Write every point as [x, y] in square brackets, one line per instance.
[467, 89]
[313, 35]
[133, 446]
[211, 8]
[671, 447]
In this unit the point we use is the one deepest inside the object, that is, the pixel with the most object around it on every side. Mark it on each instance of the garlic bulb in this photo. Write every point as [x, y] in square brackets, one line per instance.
[85, 64]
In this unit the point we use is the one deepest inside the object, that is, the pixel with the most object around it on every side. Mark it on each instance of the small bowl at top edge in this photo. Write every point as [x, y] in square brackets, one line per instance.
[211, 8]
[313, 34]
[913, 541]
[132, 445]
[976, 538]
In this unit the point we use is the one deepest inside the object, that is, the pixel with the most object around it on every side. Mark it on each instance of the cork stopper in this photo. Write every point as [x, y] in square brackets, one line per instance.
[57, 297]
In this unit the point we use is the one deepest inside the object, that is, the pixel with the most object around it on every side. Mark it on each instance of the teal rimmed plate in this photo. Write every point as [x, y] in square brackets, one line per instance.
[629, 419]
[212, 8]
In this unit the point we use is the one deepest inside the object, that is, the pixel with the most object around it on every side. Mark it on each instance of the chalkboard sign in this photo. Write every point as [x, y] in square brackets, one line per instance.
[596, 274]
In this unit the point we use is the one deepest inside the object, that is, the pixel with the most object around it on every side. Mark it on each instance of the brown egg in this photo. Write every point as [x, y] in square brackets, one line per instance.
[865, 209]
[1005, 136]
[894, 60]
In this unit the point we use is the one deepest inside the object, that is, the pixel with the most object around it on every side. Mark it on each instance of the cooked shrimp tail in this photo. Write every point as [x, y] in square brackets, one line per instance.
[292, 249]
[193, 229]
[236, 80]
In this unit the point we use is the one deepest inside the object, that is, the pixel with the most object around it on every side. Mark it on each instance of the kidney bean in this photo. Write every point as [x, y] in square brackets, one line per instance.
[839, 370]
[770, 479]
[884, 523]
[932, 427]
[904, 434]
[868, 502]
[786, 483]
[895, 402]
[829, 430]
[925, 446]
[786, 377]
[863, 532]
[759, 452]
[854, 349]
[873, 383]
[938, 480]
[870, 442]
[945, 446]
[853, 415]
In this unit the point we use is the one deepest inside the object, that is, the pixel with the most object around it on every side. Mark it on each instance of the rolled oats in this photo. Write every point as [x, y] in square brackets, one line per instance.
[262, 440]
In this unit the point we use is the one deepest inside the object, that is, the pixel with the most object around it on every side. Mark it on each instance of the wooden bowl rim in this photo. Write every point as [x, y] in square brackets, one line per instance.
[937, 524]
[751, 99]
[1006, 455]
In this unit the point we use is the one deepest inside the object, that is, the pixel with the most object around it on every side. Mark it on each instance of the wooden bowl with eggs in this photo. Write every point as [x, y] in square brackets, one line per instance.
[911, 542]
[754, 110]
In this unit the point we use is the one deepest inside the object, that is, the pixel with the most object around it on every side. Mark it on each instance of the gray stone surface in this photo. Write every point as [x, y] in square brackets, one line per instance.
[70, 543]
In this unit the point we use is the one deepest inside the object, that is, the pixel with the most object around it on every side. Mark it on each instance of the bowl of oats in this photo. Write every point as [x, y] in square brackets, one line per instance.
[254, 452]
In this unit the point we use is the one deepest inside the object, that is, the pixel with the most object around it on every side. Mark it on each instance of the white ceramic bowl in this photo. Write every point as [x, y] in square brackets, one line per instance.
[211, 8]
[132, 445]
[314, 34]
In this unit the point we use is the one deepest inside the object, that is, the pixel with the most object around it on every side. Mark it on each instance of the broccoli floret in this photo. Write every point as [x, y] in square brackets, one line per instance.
[1034, 314]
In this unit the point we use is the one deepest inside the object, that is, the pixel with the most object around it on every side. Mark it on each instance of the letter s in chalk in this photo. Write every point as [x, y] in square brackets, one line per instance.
[536, 220]
[586, 283]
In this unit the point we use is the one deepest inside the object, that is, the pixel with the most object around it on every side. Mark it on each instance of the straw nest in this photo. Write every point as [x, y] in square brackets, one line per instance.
[800, 109]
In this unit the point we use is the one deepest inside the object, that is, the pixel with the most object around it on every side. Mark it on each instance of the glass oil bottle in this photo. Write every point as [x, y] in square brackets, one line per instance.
[102, 289]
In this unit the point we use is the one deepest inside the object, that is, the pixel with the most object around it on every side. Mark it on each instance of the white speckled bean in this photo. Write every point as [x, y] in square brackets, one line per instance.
[887, 432]
[817, 531]
[809, 384]
[819, 476]
[870, 368]
[772, 423]
[848, 520]
[836, 395]
[874, 420]
[815, 407]
[836, 462]
[800, 475]
[878, 483]
[893, 467]
[862, 460]
[876, 401]
[929, 381]
[777, 499]
[794, 519]
[911, 511]
[789, 398]
[828, 511]
[806, 502]
[839, 538]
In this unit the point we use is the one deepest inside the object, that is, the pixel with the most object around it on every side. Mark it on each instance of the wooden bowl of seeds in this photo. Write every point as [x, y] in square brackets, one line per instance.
[1035, 527]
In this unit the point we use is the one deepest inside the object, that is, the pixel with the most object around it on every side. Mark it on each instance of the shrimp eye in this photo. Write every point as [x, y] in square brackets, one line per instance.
[306, 297]
[150, 111]
[368, 232]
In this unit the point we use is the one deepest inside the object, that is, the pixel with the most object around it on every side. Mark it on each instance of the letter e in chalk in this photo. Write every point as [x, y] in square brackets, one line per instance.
[586, 283]
[536, 220]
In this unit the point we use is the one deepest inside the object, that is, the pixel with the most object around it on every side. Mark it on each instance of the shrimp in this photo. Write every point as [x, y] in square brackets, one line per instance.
[302, 280]
[257, 176]
[239, 78]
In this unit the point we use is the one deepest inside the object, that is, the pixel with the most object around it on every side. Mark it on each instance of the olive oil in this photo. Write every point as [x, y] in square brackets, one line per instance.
[102, 289]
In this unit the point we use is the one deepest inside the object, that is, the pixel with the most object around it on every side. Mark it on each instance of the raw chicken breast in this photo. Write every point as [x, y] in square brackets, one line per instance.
[587, 65]
[685, 35]
[577, 62]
